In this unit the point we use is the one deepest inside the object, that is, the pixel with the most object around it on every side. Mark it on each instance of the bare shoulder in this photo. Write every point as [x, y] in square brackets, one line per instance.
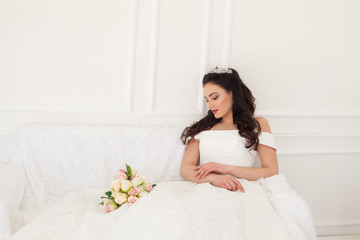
[193, 141]
[265, 126]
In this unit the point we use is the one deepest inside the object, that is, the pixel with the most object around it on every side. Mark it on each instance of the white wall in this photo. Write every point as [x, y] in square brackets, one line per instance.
[140, 62]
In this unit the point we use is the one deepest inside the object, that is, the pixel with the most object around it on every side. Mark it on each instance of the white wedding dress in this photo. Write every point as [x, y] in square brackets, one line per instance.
[269, 209]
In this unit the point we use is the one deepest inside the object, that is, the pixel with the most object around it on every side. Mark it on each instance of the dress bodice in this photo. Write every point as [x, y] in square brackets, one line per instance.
[228, 147]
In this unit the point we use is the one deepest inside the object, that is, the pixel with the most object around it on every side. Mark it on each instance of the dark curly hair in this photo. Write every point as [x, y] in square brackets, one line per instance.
[243, 109]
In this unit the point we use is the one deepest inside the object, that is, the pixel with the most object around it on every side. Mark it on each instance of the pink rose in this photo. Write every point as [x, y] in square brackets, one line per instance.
[107, 208]
[132, 199]
[110, 205]
[121, 174]
[133, 191]
[147, 186]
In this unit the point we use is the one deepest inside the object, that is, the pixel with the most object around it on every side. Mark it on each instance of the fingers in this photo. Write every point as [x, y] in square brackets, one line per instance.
[203, 172]
[207, 171]
[236, 185]
[233, 186]
[239, 186]
[201, 166]
[228, 186]
[224, 186]
[199, 171]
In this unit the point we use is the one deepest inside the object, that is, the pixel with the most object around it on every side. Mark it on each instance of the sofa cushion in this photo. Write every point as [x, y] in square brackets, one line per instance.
[61, 159]
[12, 185]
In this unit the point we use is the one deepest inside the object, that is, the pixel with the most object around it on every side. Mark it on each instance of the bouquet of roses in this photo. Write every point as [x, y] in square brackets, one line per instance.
[126, 188]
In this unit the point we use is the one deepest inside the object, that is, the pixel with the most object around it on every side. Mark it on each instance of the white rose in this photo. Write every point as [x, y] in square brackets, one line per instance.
[135, 181]
[140, 188]
[114, 193]
[125, 185]
[121, 198]
[142, 178]
[141, 194]
[133, 172]
[116, 184]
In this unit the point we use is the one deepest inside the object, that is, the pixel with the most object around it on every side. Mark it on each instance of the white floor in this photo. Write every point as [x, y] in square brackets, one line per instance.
[344, 237]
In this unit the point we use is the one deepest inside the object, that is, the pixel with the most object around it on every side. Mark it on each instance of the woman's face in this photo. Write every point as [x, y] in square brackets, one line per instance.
[218, 99]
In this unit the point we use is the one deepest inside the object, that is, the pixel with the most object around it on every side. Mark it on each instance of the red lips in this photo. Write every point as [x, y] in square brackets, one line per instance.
[214, 111]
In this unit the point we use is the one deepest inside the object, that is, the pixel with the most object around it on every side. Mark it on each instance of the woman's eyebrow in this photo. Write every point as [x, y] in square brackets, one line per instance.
[211, 94]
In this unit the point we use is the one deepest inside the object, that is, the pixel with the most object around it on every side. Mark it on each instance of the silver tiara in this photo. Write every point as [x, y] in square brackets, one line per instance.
[220, 70]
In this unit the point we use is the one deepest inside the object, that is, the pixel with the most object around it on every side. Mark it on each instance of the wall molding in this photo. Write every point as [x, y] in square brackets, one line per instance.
[127, 110]
[227, 32]
[316, 134]
[337, 228]
[282, 134]
[42, 109]
[204, 53]
[154, 54]
[306, 114]
[316, 153]
[132, 53]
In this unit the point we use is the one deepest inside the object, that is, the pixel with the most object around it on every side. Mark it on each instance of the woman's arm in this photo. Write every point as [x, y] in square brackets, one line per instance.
[188, 165]
[189, 162]
[269, 165]
[268, 158]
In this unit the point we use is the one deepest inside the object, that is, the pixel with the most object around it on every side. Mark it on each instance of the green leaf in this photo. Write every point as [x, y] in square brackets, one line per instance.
[153, 185]
[111, 198]
[108, 193]
[102, 203]
[128, 170]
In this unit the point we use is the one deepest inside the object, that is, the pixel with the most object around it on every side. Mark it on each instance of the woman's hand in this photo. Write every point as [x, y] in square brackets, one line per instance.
[226, 181]
[205, 169]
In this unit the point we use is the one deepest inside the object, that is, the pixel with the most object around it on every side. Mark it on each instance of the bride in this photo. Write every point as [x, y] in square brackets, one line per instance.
[232, 108]
[233, 188]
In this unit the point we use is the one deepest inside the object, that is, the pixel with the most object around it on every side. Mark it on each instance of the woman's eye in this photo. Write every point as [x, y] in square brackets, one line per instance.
[213, 99]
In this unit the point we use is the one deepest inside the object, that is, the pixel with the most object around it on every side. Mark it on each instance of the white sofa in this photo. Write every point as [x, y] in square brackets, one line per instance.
[40, 164]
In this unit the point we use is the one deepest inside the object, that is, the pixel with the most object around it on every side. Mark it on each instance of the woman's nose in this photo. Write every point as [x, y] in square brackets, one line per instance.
[210, 105]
